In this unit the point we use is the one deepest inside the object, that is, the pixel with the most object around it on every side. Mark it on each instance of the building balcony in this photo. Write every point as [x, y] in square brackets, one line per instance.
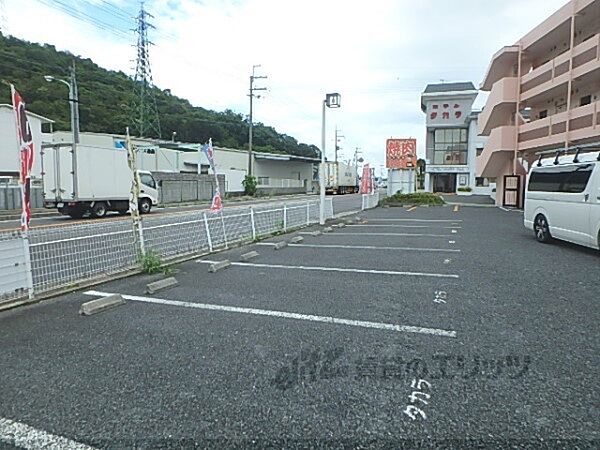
[584, 125]
[555, 73]
[500, 105]
[498, 149]
[501, 66]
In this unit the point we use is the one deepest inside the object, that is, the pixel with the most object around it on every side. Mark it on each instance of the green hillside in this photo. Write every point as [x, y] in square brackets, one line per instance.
[105, 97]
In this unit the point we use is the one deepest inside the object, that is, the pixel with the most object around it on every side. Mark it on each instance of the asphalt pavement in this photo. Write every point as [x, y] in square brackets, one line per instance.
[429, 328]
[341, 203]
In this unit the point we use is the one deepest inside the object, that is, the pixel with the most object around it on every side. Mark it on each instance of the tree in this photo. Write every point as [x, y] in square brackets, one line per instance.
[105, 97]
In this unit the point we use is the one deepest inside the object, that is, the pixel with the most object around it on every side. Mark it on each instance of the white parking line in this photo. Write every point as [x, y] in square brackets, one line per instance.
[398, 226]
[338, 269]
[23, 436]
[365, 247]
[286, 315]
[415, 220]
[384, 234]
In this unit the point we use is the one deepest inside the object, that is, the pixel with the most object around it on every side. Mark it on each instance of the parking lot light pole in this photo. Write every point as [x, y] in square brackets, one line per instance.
[331, 101]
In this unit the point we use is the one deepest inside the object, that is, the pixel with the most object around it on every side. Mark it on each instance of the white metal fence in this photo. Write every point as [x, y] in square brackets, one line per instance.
[65, 256]
[279, 182]
[370, 200]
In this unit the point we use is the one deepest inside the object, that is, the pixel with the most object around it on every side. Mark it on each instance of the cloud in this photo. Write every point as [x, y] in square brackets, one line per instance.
[379, 55]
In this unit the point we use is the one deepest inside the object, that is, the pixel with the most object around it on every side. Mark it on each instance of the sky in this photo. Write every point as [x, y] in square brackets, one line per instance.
[379, 55]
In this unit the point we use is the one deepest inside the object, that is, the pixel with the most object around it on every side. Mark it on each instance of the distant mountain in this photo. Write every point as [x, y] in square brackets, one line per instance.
[105, 97]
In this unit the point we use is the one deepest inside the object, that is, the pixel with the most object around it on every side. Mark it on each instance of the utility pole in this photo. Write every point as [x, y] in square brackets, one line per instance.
[74, 94]
[337, 140]
[356, 152]
[252, 95]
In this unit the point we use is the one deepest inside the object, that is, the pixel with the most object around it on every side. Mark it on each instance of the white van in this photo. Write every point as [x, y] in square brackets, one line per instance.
[562, 199]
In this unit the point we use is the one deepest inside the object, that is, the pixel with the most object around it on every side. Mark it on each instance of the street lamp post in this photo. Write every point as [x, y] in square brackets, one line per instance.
[73, 101]
[331, 101]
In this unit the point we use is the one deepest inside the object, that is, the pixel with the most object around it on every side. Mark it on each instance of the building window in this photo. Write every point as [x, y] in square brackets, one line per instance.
[543, 114]
[479, 151]
[585, 100]
[450, 146]
[482, 182]
[263, 181]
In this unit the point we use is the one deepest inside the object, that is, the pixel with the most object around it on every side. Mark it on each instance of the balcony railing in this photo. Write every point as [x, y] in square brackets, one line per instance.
[555, 72]
[503, 94]
[584, 121]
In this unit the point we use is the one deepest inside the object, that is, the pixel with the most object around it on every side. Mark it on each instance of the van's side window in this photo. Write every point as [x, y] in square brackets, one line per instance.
[571, 179]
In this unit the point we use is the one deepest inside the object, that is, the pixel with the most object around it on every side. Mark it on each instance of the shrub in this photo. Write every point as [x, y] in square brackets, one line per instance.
[249, 184]
[151, 262]
[464, 189]
[418, 198]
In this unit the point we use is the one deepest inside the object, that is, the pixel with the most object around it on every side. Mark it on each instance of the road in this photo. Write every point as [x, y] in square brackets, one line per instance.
[341, 203]
[422, 328]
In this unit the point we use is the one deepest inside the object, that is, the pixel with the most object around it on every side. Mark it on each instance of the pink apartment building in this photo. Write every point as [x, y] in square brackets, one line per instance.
[544, 95]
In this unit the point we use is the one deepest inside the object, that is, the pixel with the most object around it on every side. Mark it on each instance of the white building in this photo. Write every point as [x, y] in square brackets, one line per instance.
[9, 150]
[452, 141]
[275, 173]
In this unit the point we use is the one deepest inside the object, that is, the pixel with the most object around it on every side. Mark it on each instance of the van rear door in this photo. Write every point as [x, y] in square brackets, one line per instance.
[577, 188]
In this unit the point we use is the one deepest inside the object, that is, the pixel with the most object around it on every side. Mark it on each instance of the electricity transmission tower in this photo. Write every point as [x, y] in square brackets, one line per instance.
[145, 120]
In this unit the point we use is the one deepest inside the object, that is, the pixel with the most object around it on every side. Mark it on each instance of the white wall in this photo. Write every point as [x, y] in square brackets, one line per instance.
[9, 151]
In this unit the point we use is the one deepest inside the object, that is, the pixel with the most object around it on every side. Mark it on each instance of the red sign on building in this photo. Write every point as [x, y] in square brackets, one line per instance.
[401, 154]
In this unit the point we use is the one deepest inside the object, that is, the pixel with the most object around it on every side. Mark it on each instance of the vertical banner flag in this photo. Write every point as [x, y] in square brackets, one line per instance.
[365, 181]
[26, 156]
[208, 150]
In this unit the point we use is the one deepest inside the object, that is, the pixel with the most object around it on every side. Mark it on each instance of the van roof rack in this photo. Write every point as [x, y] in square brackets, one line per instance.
[577, 150]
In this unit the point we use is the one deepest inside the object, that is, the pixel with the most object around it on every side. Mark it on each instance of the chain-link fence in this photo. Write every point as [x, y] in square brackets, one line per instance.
[65, 256]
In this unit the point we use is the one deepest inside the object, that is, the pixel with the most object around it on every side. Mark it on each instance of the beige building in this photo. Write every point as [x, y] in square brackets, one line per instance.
[544, 94]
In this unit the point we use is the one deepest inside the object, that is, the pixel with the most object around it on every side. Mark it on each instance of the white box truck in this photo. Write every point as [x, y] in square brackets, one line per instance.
[340, 178]
[82, 179]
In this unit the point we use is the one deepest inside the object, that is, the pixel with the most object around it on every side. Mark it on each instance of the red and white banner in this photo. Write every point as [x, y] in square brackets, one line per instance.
[26, 156]
[217, 204]
[366, 184]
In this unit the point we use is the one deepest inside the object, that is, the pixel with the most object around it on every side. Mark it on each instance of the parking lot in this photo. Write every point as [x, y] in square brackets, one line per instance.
[420, 326]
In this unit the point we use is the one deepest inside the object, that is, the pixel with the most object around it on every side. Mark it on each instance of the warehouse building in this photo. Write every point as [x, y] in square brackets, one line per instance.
[275, 173]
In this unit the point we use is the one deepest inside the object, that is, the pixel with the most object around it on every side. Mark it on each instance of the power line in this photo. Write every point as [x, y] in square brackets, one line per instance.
[67, 9]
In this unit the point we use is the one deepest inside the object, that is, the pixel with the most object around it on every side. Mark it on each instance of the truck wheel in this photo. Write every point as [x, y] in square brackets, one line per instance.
[99, 210]
[145, 206]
